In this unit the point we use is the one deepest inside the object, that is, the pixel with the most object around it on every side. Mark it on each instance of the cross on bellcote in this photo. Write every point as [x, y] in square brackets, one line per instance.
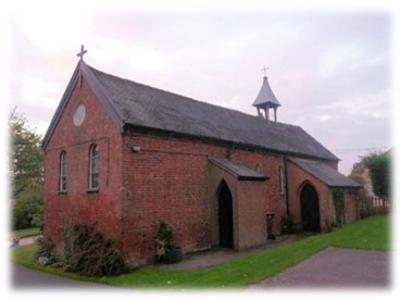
[82, 52]
[264, 69]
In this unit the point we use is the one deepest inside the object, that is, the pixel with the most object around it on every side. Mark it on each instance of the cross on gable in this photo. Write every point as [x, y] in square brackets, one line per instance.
[81, 53]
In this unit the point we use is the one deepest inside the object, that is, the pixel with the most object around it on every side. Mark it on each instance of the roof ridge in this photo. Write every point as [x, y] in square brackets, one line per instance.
[194, 100]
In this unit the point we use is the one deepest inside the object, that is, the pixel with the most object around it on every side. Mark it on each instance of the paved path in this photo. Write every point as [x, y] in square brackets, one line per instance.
[336, 267]
[25, 241]
[28, 240]
[24, 278]
[211, 258]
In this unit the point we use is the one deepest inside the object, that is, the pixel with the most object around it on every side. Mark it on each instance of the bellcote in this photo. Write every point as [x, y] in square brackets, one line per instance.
[266, 100]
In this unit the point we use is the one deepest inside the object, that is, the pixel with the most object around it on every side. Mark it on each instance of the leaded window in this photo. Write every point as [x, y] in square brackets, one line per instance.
[281, 180]
[63, 172]
[93, 167]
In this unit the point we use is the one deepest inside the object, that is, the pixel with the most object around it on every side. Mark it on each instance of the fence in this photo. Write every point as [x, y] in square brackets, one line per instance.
[373, 205]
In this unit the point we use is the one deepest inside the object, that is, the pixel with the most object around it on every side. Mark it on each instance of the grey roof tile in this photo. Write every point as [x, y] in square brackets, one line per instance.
[148, 107]
[324, 172]
[241, 171]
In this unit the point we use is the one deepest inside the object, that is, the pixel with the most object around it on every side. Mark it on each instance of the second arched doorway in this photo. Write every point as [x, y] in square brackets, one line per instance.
[310, 209]
[225, 216]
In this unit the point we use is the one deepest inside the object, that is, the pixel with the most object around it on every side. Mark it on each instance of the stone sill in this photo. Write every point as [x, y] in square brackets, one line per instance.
[93, 190]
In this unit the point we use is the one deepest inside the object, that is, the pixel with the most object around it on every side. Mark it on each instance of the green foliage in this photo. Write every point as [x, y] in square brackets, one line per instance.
[166, 250]
[26, 173]
[26, 156]
[46, 250]
[289, 226]
[338, 201]
[379, 165]
[87, 252]
[27, 210]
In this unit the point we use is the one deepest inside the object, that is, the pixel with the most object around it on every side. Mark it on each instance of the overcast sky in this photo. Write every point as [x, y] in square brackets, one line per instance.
[330, 71]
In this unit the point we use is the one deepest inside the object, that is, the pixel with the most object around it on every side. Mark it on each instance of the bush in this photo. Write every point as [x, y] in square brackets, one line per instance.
[167, 251]
[289, 226]
[27, 210]
[46, 253]
[329, 226]
[88, 252]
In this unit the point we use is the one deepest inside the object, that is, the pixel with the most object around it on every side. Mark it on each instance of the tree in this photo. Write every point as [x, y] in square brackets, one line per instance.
[26, 173]
[357, 173]
[26, 156]
[379, 169]
[27, 210]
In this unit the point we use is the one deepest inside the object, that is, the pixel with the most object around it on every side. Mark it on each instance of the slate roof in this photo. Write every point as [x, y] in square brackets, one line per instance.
[266, 96]
[148, 107]
[241, 171]
[325, 173]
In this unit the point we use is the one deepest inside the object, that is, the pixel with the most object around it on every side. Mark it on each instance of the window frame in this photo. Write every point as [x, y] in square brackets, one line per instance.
[282, 185]
[94, 153]
[63, 173]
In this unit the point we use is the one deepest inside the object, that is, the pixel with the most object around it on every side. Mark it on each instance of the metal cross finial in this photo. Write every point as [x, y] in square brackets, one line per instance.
[264, 69]
[81, 53]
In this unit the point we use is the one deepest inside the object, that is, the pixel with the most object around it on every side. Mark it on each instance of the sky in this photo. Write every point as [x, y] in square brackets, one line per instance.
[330, 71]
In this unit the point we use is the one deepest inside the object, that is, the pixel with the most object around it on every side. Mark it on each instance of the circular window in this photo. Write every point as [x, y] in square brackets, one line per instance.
[79, 115]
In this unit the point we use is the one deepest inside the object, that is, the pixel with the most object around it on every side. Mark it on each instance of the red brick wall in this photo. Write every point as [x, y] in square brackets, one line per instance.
[273, 200]
[252, 204]
[169, 179]
[77, 206]
[351, 206]
[297, 177]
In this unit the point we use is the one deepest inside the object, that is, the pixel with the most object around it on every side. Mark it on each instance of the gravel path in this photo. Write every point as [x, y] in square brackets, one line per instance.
[336, 267]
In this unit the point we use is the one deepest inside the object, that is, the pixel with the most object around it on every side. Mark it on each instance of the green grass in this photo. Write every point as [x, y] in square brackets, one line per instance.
[371, 234]
[28, 232]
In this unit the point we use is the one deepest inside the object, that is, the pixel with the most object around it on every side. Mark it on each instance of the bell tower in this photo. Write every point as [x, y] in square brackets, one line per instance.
[265, 101]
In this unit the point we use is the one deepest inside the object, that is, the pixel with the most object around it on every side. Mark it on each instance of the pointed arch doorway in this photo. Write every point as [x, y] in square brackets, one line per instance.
[225, 216]
[310, 209]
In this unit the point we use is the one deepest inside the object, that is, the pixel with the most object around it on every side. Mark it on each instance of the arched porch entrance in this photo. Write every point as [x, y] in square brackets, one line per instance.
[310, 209]
[225, 216]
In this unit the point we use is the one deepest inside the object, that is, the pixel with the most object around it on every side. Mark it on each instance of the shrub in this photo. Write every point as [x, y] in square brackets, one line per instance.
[167, 251]
[27, 210]
[329, 226]
[46, 253]
[89, 253]
[288, 226]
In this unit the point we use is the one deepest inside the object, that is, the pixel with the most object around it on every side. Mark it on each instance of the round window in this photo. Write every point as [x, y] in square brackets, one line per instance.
[79, 115]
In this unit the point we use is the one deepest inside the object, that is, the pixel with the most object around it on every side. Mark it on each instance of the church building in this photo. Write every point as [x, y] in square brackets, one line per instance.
[122, 156]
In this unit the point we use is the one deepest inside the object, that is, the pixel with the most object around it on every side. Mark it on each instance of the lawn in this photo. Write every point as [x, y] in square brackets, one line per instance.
[371, 233]
[28, 232]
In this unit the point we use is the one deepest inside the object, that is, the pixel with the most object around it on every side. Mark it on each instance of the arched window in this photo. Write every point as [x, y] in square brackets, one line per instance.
[93, 167]
[63, 172]
[282, 186]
